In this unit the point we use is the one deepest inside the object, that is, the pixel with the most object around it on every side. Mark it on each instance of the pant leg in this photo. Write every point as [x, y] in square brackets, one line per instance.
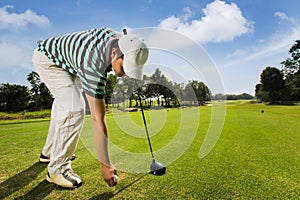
[47, 147]
[68, 117]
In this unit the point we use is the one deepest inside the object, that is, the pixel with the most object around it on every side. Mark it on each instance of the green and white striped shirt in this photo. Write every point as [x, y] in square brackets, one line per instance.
[83, 54]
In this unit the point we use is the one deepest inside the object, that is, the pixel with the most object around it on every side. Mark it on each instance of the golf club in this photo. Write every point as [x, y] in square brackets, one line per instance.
[156, 168]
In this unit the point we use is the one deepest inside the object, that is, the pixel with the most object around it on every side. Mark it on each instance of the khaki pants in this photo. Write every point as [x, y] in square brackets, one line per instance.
[67, 114]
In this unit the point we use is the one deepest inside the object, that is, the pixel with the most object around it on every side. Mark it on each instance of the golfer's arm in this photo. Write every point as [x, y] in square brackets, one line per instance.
[97, 108]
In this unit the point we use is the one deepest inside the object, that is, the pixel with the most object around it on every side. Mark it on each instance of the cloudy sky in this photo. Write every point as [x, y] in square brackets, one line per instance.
[240, 37]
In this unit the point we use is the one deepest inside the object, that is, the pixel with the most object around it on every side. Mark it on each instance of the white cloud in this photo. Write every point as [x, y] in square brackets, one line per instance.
[239, 52]
[277, 44]
[284, 18]
[14, 56]
[243, 67]
[221, 22]
[14, 20]
[188, 13]
[280, 41]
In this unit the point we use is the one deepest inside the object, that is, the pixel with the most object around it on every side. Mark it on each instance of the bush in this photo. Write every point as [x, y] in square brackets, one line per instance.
[25, 115]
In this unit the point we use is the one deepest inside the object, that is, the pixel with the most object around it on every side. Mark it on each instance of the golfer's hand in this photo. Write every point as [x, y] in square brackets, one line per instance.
[108, 174]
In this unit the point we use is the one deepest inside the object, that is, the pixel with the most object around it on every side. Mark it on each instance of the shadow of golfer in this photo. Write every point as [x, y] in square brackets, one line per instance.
[21, 179]
[109, 195]
[42, 190]
[103, 196]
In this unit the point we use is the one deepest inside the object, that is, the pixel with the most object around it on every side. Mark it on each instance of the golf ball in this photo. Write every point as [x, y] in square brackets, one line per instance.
[116, 178]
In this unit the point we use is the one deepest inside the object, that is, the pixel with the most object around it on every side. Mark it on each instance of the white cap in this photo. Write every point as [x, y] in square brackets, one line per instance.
[135, 55]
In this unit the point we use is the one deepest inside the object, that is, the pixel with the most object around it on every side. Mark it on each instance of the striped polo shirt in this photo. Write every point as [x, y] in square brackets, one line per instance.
[83, 54]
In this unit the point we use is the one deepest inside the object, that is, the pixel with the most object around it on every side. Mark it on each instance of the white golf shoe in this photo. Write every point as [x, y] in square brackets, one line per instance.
[67, 179]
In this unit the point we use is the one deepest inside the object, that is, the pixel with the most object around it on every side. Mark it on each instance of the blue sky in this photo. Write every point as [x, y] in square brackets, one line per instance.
[241, 37]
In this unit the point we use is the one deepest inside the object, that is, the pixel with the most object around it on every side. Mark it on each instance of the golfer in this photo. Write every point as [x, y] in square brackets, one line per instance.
[72, 65]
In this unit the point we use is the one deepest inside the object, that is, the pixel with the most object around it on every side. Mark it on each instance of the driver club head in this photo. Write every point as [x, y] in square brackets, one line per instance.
[157, 168]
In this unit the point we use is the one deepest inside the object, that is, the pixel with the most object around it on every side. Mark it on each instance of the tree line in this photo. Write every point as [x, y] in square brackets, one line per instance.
[281, 85]
[16, 98]
[155, 90]
[244, 96]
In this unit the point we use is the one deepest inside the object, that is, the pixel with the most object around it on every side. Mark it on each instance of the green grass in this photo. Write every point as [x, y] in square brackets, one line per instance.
[256, 157]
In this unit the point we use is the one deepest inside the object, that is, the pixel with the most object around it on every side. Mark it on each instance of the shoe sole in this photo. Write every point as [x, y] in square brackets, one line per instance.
[49, 179]
[43, 160]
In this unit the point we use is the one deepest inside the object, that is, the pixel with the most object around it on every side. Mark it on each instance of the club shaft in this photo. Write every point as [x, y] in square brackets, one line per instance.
[145, 124]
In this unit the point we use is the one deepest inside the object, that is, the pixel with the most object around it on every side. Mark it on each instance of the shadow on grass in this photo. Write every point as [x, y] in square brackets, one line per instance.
[109, 195]
[103, 196]
[22, 179]
[42, 190]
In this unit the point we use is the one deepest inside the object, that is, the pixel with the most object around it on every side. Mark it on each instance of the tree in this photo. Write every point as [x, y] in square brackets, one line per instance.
[197, 92]
[177, 96]
[171, 93]
[109, 88]
[292, 65]
[219, 97]
[14, 98]
[291, 70]
[293, 86]
[124, 89]
[163, 90]
[41, 97]
[130, 89]
[46, 99]
[157, 86]
[271, 85]
[238, 96]
[245, 96]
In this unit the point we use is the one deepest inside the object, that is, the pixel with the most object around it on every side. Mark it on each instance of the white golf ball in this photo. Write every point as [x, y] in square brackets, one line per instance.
[116, 178]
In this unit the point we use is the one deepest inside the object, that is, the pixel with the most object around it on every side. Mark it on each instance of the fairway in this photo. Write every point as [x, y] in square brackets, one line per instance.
[256, 157]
